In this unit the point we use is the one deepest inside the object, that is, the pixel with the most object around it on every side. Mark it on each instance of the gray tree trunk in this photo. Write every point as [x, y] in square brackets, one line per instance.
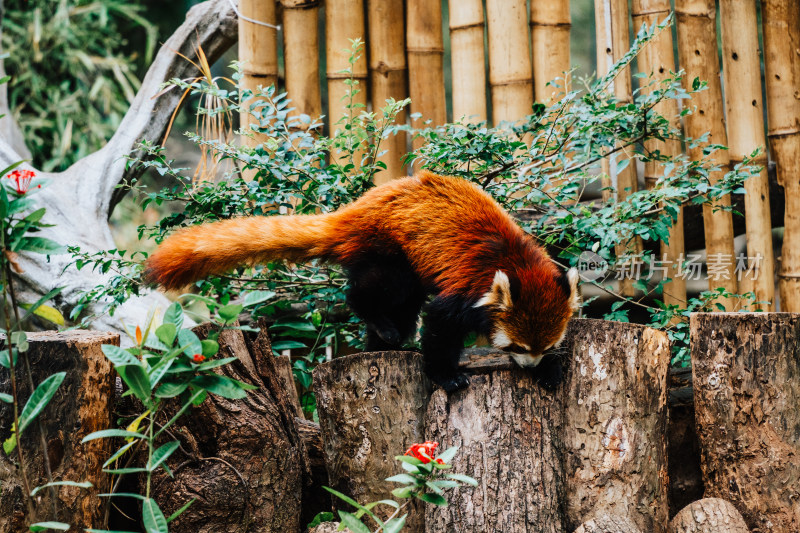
[80, 199]
[84, 403]
[746, 370]
[709, 515]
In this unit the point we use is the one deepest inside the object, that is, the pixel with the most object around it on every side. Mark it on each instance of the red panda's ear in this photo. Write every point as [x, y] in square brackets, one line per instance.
[500, 293]
[574, 295]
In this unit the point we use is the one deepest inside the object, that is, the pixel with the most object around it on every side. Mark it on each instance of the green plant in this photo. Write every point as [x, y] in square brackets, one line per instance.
[18, 227]
[426, 477]
[73, 79]
[168, 363]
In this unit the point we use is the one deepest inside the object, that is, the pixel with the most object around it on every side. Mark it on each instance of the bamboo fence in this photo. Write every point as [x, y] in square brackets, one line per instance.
[502, 55]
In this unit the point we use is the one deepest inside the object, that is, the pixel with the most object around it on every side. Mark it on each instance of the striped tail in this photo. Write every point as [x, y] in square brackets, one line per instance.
[197, 252]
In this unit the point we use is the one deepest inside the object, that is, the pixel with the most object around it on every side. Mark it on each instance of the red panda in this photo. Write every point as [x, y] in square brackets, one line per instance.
[400, 243]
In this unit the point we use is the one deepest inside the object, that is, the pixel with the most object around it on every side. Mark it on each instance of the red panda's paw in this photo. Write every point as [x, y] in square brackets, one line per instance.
[451, 382]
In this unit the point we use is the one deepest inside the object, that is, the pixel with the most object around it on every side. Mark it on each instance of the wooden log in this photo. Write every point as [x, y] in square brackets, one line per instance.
[745, 120]
[506, 428]
[425, 51]
[243, 460]
[615, 416]
[657, 62]
[283, 365]
[781, 24]
[258, 52]
[746, 374]
[83, 404]
[697, 51]
[683, 447]
[387, 75]
[467, 59]
[608, 524]
[371, 408]
[613, 41]
[550, 25]
[709, 515]
[510, 70]
[301, 56]
[315, 498]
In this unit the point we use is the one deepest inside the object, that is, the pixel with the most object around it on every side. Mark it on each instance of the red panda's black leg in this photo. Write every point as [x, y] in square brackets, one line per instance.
[386, 294]
[549, 372]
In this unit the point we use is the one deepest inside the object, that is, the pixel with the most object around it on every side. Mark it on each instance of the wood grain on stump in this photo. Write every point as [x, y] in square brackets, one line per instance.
[242, 459]
[747, 389]
[83, 404]
[608, 524]
[614, 432]
[371, 408]
[709, 515]
[505, 427]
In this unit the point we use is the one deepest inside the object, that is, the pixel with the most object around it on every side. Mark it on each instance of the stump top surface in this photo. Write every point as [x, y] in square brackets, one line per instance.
[80, 336]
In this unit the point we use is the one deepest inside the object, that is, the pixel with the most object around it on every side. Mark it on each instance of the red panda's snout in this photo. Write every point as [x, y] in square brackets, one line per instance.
[527, 324]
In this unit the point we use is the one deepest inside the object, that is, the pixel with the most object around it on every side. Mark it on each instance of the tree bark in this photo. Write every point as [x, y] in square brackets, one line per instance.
[243, 460]
[746, 370]
[685, 474]
[80, 199]
[371, 408]
[709, 515]
[83, 404]
[506, 428]
[608, 524]
[614, 434]
[315, 498]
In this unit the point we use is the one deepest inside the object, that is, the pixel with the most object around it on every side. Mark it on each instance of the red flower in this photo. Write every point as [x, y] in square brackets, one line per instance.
[22, 180]
[424, 452]
[198, 358]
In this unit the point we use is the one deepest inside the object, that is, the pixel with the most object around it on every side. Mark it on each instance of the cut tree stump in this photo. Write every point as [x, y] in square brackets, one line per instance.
[506, 429]
[615, 420]
[371, 408]
[83, 404]
[746, 370]
[709, 515]
[243, 460]
[608, 524]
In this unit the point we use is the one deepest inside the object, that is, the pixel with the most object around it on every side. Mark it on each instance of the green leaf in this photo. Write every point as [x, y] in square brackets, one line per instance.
[90, 530]
[39, 399]
[402, 478]
[463, 479]
[210, 348]
[109, 433]
[448, 454]
[152, 517]
[44, 526]
[325, 516]
[7, 398]
[11, 442]
[435, 499]
[353, 524]
[220, 385]
[32, 308]
[39, 245]
[119, 453]
[296, 325]
[170, 390]
[136, 470]
[4, 360]
[256, 297]
[166, 333]
[181, 510]
[118, 356]
[123, 495]
[80, 484]
[287, 345]
[20, 340]
[36, 216]
[162, 454]
[187, 338]
[137, 381]
[214, 363]
[408, 459]
[395, 524]
[229, 313]
[174, 315]
[51, 314]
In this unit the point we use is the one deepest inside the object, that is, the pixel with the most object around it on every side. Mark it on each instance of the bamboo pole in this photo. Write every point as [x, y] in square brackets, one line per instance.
[425, 51]
[467, 59]
[510, 71]
[387, 74]
[781, 23]
[658, 61]
[613, 41]
[697, 52]
[344, 21]
[258, 53]
[742, 70]
[301, 56]
[550, 25]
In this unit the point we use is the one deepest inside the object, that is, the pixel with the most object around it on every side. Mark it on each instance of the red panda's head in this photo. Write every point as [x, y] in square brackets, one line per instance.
[529, 311]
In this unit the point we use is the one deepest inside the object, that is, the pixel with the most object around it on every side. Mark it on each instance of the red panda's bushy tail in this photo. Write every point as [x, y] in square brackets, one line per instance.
[196, 252]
